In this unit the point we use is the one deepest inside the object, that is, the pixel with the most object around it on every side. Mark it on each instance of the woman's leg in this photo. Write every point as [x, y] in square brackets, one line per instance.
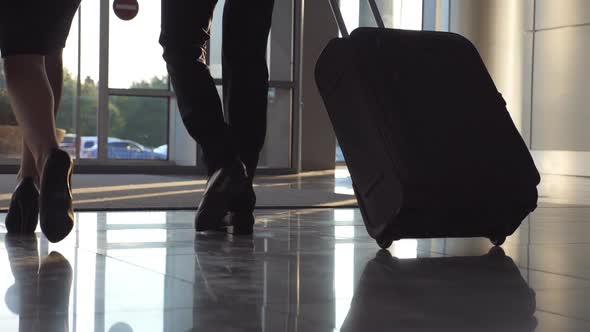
[27, 165]
[55, 75]
[32, 101]
[54, 70]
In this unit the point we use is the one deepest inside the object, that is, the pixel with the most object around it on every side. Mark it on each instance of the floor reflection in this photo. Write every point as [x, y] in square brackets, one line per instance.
[41, 291]
[302, 270]
[484, 293]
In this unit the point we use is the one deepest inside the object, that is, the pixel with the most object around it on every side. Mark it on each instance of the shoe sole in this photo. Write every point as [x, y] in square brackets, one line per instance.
[58, 221]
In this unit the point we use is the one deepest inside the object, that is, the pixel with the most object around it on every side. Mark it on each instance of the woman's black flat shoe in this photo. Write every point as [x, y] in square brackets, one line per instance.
[23, 213]
[56, 210]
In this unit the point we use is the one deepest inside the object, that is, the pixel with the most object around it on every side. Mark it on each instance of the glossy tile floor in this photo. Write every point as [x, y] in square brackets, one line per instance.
[303, 270]
[308, 270]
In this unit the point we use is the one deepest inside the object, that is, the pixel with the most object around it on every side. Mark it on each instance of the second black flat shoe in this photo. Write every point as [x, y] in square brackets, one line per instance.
[223, 187]
[23, 213]
[240, 222]
[240, 218]
[56, 212]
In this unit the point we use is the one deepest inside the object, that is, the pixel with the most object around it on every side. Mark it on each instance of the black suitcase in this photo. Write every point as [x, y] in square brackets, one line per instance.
[481, 293]
[430, 146]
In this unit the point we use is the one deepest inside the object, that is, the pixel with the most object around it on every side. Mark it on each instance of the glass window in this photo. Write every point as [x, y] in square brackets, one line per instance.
[9, 145]
[135, 56]
[89, 67]
[143, 121]
[398, 14]
[78, 112]
[215, 42]
[65, 121]
[351, 13]
[87, 102]
[138, 128]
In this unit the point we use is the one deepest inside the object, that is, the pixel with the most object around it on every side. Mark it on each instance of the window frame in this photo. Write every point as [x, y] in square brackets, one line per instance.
[103, 163]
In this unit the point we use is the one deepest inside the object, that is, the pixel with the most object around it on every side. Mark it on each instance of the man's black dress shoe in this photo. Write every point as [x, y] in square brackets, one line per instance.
[23, 212]
[240, 222]
[55, 200]
[241, 211]
[226, 187]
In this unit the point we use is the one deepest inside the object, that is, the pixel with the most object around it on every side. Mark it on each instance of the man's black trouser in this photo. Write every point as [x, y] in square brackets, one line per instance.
[185, 31]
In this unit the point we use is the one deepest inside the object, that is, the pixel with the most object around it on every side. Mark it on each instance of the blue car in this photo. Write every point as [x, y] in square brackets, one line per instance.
[120, 149]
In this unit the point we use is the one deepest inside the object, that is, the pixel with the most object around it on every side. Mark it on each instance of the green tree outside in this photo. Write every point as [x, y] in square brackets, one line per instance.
[140, 119]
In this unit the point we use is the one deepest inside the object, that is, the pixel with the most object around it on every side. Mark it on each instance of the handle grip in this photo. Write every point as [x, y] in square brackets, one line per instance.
[340, 19]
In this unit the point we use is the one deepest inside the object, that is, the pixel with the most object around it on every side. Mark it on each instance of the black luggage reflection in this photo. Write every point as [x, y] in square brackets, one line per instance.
[484, 293]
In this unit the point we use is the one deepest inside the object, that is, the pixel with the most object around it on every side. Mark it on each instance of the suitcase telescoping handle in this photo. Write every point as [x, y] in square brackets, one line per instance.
[335, 4]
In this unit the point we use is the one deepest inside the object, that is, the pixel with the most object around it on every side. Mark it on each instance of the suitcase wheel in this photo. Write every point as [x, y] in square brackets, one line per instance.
[498, 240]
[385, 242]
[496, 252]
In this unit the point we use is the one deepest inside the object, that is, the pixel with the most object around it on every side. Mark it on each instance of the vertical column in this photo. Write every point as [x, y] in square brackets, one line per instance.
[103, 83]
[435, 15]
[316, 136]
[281, 41]
[277, 152]
[182, 148]
[560, 80]
[78, 139]
[498, 28]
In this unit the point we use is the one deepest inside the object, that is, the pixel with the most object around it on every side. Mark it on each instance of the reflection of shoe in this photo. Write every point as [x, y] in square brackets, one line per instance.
[55, 202]
[23, 255]
[227, 185]
[55, 281]
[23, 213]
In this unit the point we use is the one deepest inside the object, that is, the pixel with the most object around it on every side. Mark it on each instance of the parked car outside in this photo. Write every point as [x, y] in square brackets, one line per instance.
[162, 151]
[87, 144]
[69, 144]
[117, 149]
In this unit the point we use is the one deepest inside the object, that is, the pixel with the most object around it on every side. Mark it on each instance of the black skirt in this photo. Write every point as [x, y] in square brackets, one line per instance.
[35, 26]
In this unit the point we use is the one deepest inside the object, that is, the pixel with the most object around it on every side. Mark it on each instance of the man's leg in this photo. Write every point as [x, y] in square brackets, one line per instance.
[245, 92]
[245, 75]
[185, 32]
